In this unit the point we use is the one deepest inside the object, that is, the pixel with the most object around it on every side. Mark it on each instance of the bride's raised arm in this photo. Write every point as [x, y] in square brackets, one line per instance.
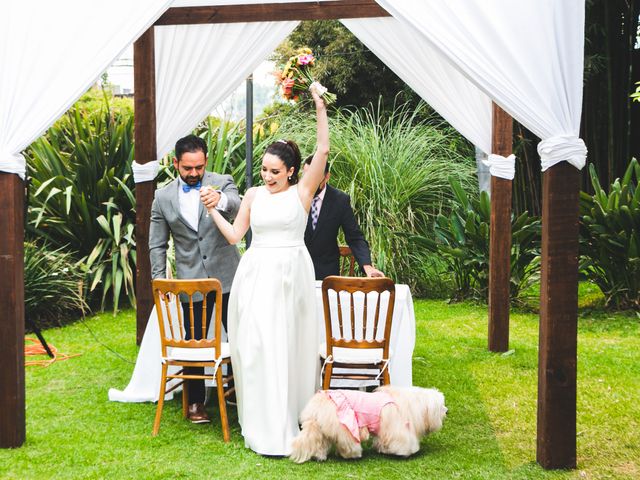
[315, 172]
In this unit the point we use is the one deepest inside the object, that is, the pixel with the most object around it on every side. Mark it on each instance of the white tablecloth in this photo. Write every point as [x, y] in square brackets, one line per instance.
[144, 385]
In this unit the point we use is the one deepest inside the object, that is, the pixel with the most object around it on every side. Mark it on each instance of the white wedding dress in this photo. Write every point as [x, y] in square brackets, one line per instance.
[272, 324]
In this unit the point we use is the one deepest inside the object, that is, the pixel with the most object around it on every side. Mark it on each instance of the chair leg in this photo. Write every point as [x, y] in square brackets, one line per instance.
[222, 405]
[163, 387]
[185, 397]
[386, 379]
[326, 381]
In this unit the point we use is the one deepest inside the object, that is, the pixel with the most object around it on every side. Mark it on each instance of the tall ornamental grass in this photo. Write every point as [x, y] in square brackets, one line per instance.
[395, 166]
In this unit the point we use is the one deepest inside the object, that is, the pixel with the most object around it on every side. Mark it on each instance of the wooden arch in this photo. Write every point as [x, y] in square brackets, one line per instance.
[556, 438]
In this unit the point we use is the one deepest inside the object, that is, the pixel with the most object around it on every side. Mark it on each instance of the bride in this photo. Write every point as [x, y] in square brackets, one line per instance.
[271, 317]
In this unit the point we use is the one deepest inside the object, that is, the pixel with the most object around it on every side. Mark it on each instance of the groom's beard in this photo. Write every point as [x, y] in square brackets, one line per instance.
[191, 180]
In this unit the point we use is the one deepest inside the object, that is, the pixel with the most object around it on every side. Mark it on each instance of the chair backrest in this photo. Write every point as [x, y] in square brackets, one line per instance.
[347, 261]
[369, 304]
[173, 325]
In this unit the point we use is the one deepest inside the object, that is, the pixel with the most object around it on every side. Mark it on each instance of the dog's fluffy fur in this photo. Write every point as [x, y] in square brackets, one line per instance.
[415, 412]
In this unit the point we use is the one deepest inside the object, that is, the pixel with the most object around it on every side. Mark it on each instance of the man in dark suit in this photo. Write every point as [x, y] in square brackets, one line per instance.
[330, 210]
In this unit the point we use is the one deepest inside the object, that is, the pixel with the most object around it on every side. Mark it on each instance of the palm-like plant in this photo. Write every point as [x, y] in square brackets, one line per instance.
[610, 237]
[81, 195]
[462, 240]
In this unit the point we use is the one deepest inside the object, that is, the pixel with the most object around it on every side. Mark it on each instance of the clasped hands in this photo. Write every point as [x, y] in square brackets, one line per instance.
[209, 197]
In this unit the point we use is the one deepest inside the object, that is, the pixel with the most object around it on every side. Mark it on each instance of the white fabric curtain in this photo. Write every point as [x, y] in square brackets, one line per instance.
[51, 53]
[413, 58]
[198, 66]
[527, 55]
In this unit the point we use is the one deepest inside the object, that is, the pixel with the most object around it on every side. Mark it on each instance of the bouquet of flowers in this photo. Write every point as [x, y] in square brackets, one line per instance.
[296, 78]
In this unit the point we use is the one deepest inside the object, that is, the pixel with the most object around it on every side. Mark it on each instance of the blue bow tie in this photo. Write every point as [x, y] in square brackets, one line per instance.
[187, 188]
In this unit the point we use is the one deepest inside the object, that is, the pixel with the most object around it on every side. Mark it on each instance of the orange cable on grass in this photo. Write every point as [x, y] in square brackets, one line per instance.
[35, 348]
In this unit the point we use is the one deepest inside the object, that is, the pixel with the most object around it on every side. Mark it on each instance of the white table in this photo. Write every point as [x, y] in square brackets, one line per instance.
[144, 385]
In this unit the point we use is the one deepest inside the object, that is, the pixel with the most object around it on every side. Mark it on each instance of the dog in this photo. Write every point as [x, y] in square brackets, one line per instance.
[397, 416]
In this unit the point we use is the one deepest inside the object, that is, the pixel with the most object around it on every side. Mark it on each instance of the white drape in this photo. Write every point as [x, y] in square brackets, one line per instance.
[145, 172]
[501, 167]
[198, 66]
[534, 73]
[413, 58]
[51, 52]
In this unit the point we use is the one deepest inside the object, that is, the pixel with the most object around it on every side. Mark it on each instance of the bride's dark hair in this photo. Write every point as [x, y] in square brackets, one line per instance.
[289, 153]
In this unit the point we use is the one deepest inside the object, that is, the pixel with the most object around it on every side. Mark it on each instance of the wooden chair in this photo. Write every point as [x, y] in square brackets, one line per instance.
[180, 352]
[359, 340]
[347, 261]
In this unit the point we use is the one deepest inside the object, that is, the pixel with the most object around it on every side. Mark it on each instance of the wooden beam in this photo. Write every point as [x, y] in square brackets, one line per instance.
[145, 151]
[12, 388]
[272, 12]
[556, 445]
[500, 236]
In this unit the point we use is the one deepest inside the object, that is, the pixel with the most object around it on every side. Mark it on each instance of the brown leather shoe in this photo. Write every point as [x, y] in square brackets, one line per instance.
[197, 414]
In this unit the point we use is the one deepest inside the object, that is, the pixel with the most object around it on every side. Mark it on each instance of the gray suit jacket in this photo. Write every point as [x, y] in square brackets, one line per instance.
[202, 254]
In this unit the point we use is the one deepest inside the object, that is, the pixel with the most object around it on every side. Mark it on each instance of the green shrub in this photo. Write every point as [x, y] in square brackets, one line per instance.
[609, 236]
[52, 283]
[462, 241]
[81, 195]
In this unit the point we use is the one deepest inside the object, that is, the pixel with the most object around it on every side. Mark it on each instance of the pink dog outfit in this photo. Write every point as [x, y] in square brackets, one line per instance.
[357, 409]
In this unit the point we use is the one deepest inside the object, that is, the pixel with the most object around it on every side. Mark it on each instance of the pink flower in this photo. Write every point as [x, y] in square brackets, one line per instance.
[306, 59]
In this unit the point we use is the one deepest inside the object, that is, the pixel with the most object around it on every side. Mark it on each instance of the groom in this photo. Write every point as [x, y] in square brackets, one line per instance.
[330, 210]
[200, 249]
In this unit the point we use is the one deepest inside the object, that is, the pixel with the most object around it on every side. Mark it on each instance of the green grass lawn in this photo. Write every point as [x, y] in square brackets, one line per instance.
[74, 432]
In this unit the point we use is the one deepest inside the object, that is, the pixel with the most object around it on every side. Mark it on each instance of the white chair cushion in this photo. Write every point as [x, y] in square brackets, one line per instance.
[197, 354]
[353, 355]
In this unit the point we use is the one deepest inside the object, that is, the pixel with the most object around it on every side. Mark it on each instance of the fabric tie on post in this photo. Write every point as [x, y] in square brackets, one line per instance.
[188, 188]
[501, 167]
[314, 211]
[145, 172]
[568, 148]
[13, 163]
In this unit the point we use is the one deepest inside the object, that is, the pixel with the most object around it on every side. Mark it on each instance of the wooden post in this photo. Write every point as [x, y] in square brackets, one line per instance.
[556, 444]
[12, 389]
[145, 151]
[500, 237]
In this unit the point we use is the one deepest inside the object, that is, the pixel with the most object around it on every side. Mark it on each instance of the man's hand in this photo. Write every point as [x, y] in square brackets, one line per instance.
[209, 197]
[372, 271]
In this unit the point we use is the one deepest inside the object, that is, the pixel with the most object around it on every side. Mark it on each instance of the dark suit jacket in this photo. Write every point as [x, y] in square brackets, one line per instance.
[322, 243]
